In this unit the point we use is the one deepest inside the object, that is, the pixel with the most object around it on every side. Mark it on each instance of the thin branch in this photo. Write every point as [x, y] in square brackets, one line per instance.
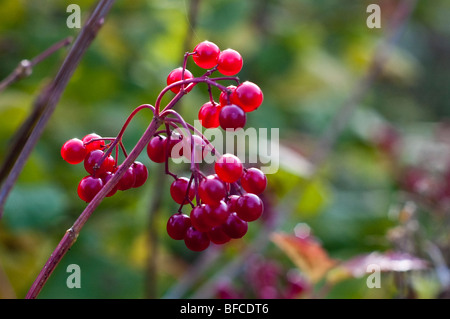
[25, 67]
[50, 96]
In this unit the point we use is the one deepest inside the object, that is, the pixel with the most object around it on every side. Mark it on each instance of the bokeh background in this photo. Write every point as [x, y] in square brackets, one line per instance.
[362, 169]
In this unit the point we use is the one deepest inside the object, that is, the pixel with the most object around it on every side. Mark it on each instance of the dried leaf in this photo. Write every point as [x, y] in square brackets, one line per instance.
[306, 253]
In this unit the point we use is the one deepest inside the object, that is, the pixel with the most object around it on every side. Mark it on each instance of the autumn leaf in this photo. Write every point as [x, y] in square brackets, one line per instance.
[306, 253]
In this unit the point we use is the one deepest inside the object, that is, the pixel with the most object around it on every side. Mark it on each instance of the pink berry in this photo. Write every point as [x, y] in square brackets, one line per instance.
[212, 190]
[232, 117]
[73, 151]
[175, 76]
[177, 225]
[229, 168]
[88, 187]
[254, 181]
[196, 240]
[249, 207]
[229, 62]
[249, 96]
[206, 54]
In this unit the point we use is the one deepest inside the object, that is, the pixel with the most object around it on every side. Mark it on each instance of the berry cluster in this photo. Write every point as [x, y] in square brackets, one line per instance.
[221, 204]
[92, 151]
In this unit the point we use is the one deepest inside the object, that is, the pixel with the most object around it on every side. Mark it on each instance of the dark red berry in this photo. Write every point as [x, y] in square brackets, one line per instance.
[199, 219]
[235, 227]
[175, 76]
[229, 62]
[177, 225]
[216, 214]
[229, 168]
[254, 181]
[249, 207]
[209, 115]
[218, 236]
[127, 180]
[249, 96]
[95, 145]
[206, 54]
[140, 174]
[105, 178]
[179, 190]
[156, 149]
[88, 187]
[196, 240]
[93, 158]
[73, 151]
[232, 201]
[211, 190]
[232, 117]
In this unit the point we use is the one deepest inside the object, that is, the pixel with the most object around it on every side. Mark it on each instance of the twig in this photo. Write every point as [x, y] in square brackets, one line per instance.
[25, 67]
[51, 94]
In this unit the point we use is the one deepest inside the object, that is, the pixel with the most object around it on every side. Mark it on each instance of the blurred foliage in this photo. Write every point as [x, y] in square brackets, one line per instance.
[307, 56]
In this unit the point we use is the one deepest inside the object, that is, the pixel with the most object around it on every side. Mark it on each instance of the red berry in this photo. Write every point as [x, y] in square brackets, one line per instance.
[228, 168]
[249, 207]
[200, 148]
[218, 236]
[229, 62]
[206, 54]
[88, 187]
[96, 145]
[140, 173]
[175, 145]
[223, 98]
[177, 225]
[179, 188]
[156, 149]
[235, 227]
[196, 240]
[216, 214]
[73, 151]
[232, 201]
[254, 181]
[175, 76]
[232, 117]
[199, 219]
[105, 178]
[92, 159]
[209, 115]
[249, 96]
[127, 180]
[211, 190]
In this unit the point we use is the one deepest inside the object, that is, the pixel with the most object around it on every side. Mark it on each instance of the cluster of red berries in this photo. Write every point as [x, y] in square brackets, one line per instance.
[225, 202]
[218, 216]
[91, 150]
[235, 101]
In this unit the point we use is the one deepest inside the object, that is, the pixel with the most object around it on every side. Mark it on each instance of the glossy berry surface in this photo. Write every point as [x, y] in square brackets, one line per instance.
[223, 97]
[229, 62]
[235, 227]
[232, 117]
[206, 54]
[93, 158]
[209, 115]
[88, 187]
[73, 151]
[211, 190]
[177, 225]
[105, 178]
[199, 219]
[175, 76]
[249, 96]
[156, 149]
[216, 214]
[127, 180]
[196, 240]
[94, 145]
[249, 207]
[218, 236]
[254, 181]
[179, 190]
[228, 168]
[140, 174]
